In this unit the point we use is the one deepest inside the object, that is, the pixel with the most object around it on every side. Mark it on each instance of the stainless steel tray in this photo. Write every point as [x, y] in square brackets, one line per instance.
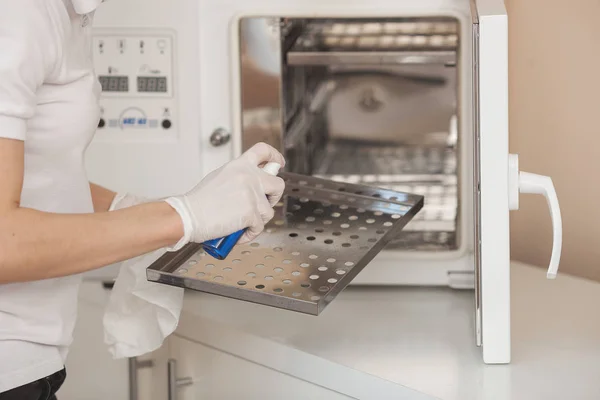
[323, 234]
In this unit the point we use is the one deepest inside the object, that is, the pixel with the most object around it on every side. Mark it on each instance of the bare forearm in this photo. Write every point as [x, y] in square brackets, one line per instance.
[101, 197]
[36, 245]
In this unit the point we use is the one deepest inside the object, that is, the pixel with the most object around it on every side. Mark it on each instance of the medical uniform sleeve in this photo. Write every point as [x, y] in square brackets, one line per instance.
[26, 45]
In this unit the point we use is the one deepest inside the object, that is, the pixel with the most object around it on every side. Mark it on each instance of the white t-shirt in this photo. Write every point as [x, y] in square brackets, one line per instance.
[48, 99]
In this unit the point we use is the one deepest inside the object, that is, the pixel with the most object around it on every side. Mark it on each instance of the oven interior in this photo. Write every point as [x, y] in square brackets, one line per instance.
[369, 101]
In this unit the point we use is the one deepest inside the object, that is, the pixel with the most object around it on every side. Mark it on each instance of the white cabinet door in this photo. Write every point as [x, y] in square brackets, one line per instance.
[218, 375]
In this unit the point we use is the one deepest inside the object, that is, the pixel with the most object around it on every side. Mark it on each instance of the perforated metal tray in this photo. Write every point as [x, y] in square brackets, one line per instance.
[323, 234]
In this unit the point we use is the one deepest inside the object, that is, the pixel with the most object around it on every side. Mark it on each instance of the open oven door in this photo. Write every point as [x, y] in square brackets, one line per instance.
[498, 183]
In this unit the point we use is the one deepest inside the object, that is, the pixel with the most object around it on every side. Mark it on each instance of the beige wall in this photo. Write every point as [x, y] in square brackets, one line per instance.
[554, 124]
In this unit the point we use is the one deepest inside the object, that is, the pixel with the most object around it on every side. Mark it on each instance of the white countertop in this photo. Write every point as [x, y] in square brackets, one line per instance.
[422, 338]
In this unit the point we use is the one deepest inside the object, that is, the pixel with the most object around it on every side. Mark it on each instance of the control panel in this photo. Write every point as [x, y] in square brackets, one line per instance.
[135, 70]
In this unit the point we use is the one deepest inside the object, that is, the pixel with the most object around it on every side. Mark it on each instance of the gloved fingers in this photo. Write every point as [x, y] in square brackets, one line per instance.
[273, 187]
[252, 232]
[262, 153]
[266, 212]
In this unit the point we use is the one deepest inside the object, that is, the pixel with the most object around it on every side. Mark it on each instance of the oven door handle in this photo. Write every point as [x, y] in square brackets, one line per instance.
[525, 182]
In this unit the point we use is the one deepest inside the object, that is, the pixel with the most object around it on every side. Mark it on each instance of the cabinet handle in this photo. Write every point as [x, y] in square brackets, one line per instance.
[219, 137]
[134, 365]
[174, 382]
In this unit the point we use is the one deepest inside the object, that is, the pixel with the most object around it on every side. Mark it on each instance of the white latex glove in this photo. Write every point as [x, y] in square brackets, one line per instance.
[236, 196]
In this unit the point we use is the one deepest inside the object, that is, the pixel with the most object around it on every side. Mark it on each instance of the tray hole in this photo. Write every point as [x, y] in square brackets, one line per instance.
[351, 199]
[260, 286]
[332, 280]
[372, 240]
[322, 268]
[318, 211]
[192, 262]
[331, 260]
[279, 222]
[227, 269]
[326, 204]
[314, 277]
[295, 253]
[182, 271]
[370, 221]
[296, 207]
[395, 216]
[260, 265]
[319, 230]
[315, 298]
[388, 224]
[278, 269]
[343, 207]
[311, 238]
[327, 222]
[278, 290]
[241, 283]
[304, 200]
[269, 257]
[209, 266]
[305, 265]
[255, 244]
[251, 274]
[268, 278]
[286, 261]
[380, 231]
[305, 285]
[340, 271]
[310, 219]
[346, 245]
[293, 234]
[335, 214]
[328, 241]
[277, 249]
[362, 228]
[353, 218]
[349, 264]
[354, 236]
[345, 226]
[378, 213]
[296, 294]
[287, 281]
[323, 289]
[296, 273]
[295, 190]
[236, 261]
[337, 233]
[360, 210]
[313, 256]
[245, 252]
[335, 196]
[200, 274]
[301, 226]
[218, 278]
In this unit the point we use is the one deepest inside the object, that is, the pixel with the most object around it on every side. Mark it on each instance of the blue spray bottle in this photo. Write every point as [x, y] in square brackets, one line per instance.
[220, 248]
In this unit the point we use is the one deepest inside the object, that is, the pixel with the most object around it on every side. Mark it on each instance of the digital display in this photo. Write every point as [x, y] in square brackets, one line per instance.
[155, 84]
[114, 83]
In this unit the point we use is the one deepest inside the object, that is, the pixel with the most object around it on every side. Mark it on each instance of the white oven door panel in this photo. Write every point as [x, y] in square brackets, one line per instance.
[500, 183]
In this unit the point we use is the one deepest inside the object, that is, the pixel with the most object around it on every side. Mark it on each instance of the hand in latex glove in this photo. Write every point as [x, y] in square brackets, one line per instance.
[236, 196]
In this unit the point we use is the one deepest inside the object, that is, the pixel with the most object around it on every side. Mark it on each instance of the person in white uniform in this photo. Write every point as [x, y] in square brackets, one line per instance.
[54, 224]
